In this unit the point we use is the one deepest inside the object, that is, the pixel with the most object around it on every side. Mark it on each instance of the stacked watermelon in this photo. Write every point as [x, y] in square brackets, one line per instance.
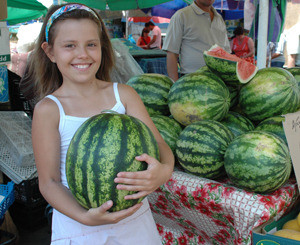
[232, 69]
[103, 146]
[153, 89]
[199, 96]
[168, 128]
[272, 92]
[201, 146]
[258, 161]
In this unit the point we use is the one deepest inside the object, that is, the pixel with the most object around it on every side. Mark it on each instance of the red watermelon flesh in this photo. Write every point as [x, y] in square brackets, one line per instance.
[245, 70]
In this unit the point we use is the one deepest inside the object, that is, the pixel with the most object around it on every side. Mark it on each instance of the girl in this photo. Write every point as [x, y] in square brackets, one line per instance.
[144, 39]
[71, 65]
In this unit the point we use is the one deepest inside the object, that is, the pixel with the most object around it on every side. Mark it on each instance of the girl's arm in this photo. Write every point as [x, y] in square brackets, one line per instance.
[158, 172]
[46, 147]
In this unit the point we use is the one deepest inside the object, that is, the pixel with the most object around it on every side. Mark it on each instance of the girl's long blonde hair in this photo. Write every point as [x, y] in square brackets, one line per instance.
[45, 74]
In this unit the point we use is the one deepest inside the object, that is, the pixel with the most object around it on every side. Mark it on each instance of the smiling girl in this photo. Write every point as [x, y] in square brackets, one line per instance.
[71, 65]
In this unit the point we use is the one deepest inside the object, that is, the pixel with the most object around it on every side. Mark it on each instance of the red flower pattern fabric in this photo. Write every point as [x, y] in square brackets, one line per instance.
[192, 210]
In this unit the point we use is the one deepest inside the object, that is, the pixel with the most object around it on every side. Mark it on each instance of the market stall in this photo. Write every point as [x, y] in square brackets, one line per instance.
[193, 210]
[150, 60]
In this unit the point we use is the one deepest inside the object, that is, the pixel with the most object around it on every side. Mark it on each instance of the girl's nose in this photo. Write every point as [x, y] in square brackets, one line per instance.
[82, 52]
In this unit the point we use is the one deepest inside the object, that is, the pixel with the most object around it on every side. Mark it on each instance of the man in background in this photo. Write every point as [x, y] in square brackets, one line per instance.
[293, 46]
[191, 31]
[155, 42]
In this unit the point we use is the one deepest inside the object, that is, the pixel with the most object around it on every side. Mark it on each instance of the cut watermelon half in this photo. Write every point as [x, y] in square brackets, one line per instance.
[232, 69]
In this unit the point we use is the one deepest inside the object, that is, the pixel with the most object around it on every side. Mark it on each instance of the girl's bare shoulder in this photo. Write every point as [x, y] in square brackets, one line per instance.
[126, 90]
[46, 107]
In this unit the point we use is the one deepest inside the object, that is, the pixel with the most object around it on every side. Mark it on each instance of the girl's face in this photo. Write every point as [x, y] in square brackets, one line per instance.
[76, 50]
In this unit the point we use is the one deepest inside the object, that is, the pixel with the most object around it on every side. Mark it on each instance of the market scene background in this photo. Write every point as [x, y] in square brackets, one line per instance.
[193, 207]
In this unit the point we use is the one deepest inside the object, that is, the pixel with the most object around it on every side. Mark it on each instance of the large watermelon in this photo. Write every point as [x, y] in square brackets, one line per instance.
[168, 128]
[232, 69]
[273, 125]
[198, 96]
[201, 146]
[103, 146]
[296, 73]
[237, 123]
[153, 89]
[234, 95]
[272, 92]
[258, 161]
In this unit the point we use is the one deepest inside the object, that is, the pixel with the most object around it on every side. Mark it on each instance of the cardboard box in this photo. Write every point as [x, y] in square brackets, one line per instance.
[4, 95]
[291, 127]
[3, 9]
[262, 235]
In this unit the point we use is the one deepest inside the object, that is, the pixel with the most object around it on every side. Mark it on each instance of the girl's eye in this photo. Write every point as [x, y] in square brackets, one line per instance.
[92, 44]
[69, 45]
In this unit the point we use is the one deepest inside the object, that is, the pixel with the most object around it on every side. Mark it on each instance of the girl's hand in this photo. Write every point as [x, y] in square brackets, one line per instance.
[101, 216]
[144, 182]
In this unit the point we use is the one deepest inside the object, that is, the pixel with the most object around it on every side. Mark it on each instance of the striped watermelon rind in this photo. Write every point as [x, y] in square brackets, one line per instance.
[232, 69]
[273, 125]
[258, 161]
[153, 89]
[201, 146]
[237, 123]
[103, 146]
[198, 96]
[225, 69]
[272, 92]
[168, 128]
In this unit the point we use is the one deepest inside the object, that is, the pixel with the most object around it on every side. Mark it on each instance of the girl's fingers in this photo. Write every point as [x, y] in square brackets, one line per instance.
[137, 195]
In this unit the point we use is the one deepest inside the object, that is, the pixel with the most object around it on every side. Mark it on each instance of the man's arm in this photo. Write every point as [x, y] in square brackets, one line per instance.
[172, 65]
[291, 60]
[152, 41]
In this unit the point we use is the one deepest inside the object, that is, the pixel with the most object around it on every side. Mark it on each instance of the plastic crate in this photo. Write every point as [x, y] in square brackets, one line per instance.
[15, 134]
[27, 192]
[8, 192]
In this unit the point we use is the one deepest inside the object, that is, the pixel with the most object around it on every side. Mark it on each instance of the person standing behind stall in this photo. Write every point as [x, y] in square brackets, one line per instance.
[144, 39]
[293, 46]
[155, 42]
[242, 46]
[193, 30]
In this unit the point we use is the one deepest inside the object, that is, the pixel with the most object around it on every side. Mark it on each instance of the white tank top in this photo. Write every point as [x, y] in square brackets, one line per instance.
[68, 125]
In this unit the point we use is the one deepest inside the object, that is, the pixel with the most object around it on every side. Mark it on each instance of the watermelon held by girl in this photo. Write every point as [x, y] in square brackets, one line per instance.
[232, 69]
[103, 146]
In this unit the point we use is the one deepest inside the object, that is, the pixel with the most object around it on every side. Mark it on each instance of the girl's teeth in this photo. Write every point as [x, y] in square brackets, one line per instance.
[81, 66]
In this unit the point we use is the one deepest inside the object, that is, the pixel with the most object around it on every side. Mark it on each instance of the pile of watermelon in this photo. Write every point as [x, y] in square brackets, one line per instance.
[231, 118]
[222, 121]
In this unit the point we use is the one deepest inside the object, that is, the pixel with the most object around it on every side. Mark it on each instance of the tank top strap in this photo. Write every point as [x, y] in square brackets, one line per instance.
[61, 110]
[116, 91]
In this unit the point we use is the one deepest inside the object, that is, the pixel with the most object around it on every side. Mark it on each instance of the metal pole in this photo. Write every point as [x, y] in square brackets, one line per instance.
[126, 31]
[262, 33]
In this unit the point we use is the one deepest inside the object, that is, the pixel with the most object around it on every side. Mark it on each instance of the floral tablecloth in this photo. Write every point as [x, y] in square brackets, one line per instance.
[193, 210]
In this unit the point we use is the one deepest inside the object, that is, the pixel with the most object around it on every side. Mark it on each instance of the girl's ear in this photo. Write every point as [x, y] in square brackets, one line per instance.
[48, 51]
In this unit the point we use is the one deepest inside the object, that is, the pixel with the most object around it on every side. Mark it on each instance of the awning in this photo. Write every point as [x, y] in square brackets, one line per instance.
[19, 11]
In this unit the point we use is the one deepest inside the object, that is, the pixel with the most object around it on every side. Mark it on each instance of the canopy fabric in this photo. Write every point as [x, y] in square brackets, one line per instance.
[277, 9]
[166, 10]
[19, 11]
[120, 4]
